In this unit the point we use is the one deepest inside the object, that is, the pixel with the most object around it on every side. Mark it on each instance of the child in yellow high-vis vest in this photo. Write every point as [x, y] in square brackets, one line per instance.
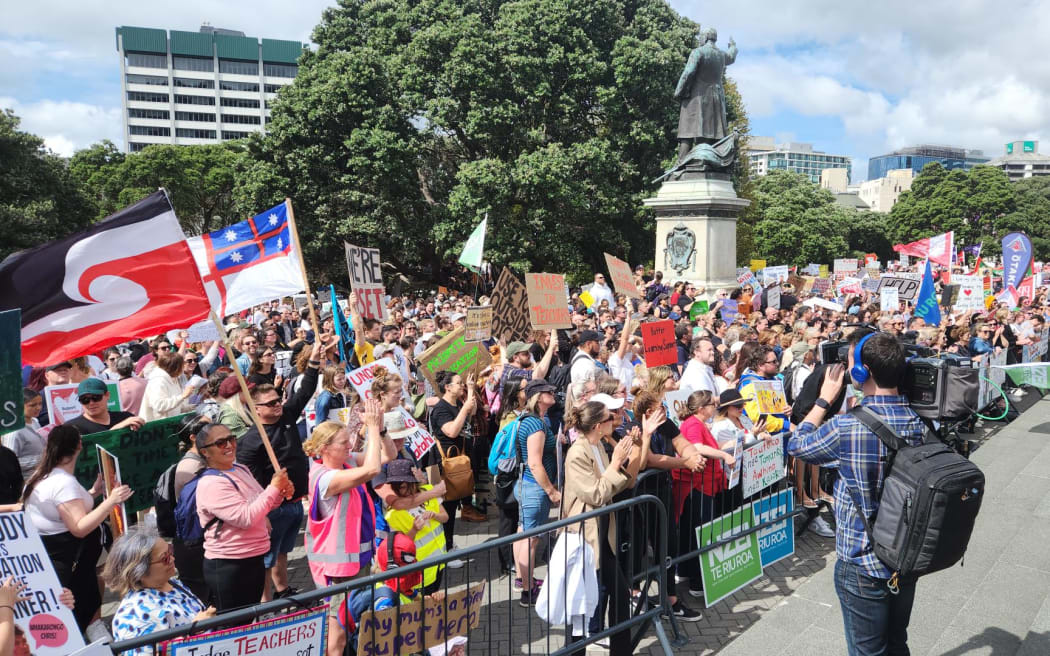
[422, 523]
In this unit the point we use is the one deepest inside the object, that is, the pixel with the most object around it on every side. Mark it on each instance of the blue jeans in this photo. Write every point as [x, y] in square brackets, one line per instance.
[876, 620]
[534, 506]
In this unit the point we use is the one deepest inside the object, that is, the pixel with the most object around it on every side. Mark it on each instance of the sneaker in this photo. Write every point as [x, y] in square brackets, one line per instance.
[455, 563]
[685, 613]
[518, 585]
[696, 589]
[287, 592]
[1017, 393]
[527, 599]
[821, 528]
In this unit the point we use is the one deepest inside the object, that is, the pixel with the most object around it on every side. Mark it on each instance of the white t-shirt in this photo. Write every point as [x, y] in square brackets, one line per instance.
[622, 368]
[326, 504]
[57, 488]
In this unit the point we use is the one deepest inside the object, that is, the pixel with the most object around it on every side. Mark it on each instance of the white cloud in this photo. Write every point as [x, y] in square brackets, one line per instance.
[67, 126]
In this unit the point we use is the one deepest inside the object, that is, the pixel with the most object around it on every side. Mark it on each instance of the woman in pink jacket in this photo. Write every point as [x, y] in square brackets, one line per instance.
[232, 509]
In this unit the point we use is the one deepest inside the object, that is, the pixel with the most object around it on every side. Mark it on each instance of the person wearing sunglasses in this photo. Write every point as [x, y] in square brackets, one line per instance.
[141, 569]
[93, 396]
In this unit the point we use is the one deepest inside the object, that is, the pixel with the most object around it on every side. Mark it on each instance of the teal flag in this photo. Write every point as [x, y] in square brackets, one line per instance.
[926, 304]
[475, 246]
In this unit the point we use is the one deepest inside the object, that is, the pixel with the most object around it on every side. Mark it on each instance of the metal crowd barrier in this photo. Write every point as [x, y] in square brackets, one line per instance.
[623, 636]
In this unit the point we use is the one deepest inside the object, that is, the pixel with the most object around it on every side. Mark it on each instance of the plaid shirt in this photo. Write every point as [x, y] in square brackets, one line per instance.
[859, 454]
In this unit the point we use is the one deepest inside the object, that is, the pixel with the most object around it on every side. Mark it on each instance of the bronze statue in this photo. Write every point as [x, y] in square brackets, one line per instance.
[702, 118]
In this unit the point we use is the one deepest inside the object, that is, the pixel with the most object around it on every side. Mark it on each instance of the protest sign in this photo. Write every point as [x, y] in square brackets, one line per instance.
[796, 281]
[907, 287]
[301, 633]
[548, 305]
[414, 627]
[763, 465]
[971, 292]
[63, 403]
[203, 331]
[12, 417]
[903, 260]
[420, 441]
[144, 453]
[283, 364]
[729, 310]
[822, 271]
[510, 309]
[676, 403]
[770, 396]
[455, 354]
[775, 274]
[758, 265]
[820, 286]
[49, 627]
[658, 342]
[812, 269]
[366, 281]
[737, 438]
[478, 326]
[773, 297]
[745, 277]
[845, 265]
[823, 303]
[109, 465]
[586, 297]
[622, 278]
[361, 378]
[775, 542]
[871, 259]
[949, 294]
[698, 308]
[850, 285]
[729, 567]
[1030, 373]
[889, 299]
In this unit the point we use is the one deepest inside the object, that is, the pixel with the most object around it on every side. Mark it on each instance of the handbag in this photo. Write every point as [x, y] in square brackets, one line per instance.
[457, 472]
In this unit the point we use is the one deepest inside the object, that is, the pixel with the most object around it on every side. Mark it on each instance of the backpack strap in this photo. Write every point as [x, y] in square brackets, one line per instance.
[215, 521]
[893, 443]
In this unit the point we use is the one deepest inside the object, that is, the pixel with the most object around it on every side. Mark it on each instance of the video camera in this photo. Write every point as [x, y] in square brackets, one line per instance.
[941, 387]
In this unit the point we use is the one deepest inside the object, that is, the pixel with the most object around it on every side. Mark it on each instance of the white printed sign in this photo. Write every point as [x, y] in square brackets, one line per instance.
[737, 437]
[366, 280]
[775, 274]
[202, 331]
[48, 627]
[889, 299]
[421, 441]
[845, 265]
[361, 378]
[971, 292]
[763, 465]
[298, 633]
[773, 297]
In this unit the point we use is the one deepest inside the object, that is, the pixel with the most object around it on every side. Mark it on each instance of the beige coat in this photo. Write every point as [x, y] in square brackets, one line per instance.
[587, 489]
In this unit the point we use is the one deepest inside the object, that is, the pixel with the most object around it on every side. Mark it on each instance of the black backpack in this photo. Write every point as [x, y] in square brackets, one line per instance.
[164, 502]
[928, 504]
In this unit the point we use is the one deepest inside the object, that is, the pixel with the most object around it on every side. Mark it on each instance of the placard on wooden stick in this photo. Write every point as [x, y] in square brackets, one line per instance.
[510, 309]
[622, 278]
[548, 305]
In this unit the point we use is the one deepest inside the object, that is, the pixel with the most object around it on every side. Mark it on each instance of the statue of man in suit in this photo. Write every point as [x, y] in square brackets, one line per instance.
[702, 118]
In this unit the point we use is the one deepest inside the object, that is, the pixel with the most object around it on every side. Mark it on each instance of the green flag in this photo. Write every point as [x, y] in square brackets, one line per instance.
[472, 250]
[1034, 374]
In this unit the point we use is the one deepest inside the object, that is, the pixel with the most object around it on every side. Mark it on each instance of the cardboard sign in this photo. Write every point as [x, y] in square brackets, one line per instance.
[12, 416]
[144, 453]
[949, 294]
[773, 297]
[361, 378]
[658, 342]
[422, 624]
[621, 276]
[907, 287]
[845, 265]
[769, 394]
[49, 627]
[109, 465]
[478, 326]
[775, 542]
[453, 353]
[733, 565]
[63, 403]
[301, 633]
[820, 286]
[548, 305]
[889, 300]
[510, 309]
[763, 465]
[971, 292]
[366, 281]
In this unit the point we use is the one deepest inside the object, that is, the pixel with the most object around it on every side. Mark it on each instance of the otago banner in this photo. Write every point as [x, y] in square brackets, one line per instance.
[1017, 258]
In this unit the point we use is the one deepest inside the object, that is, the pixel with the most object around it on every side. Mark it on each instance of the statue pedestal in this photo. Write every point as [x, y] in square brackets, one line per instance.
[696, 231]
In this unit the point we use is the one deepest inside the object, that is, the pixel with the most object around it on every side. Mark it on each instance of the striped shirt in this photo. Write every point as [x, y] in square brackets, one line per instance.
[859, 455]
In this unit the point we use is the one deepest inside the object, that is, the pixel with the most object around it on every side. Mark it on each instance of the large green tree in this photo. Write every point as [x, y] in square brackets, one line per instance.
[39, 200]
[414, 119]
[1031, 216]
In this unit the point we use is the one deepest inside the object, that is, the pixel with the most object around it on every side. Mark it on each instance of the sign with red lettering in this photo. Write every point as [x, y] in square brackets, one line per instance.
[366, 280]
[298, 633]
[658, 341]
[548, 304]
[419, 442]
[361, 378]
[622, 278]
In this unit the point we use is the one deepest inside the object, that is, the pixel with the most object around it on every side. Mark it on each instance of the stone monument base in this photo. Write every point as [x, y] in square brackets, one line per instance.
[696, 230]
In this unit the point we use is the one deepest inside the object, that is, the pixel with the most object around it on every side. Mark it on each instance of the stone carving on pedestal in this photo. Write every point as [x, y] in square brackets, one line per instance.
[680, 253]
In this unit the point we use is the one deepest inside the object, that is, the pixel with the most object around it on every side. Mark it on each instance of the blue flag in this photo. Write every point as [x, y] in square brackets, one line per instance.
[926, 306]
[342, 329]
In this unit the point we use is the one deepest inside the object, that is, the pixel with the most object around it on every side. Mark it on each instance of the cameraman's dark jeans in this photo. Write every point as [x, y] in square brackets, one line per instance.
[876, 620]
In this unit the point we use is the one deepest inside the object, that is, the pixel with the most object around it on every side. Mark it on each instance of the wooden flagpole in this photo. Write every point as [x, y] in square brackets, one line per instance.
[302, 265]
[244, 388]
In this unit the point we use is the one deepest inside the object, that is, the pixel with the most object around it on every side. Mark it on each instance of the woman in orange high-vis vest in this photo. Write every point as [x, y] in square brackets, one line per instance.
[341, 522]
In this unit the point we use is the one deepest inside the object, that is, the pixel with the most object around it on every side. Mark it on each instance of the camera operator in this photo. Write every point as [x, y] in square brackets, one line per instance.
[876, 620]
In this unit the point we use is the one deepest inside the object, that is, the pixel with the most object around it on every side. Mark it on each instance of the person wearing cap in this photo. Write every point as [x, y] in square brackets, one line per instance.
[55, 374]
[584, 364]
[422, 523]
[518, 362]
[94, 399]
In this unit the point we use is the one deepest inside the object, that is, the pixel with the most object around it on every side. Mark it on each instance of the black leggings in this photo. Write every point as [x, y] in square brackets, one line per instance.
[449, 527]
[189, 561]
[234, 583]
[74, 560]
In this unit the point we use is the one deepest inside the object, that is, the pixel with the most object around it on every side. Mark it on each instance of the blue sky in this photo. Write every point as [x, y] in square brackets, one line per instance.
[857, 79]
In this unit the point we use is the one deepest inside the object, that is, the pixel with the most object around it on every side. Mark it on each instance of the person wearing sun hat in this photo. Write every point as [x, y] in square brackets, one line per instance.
[422, 523]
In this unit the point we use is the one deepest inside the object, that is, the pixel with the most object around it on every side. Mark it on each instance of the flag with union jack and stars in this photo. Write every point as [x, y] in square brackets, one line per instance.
[250, 262]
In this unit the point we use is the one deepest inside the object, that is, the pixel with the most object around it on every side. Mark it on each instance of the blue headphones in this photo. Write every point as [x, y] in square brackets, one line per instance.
[859, 374]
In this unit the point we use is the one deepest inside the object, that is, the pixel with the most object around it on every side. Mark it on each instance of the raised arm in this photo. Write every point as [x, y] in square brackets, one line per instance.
[543, 365]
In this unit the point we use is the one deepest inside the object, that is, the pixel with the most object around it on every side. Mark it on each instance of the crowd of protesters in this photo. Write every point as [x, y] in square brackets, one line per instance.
[588, 419]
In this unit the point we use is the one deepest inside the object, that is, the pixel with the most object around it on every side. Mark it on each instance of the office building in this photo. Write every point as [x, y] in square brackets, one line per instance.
[881, 194]
[916, 157]
[834, 180]
[1022, 160]
[199, 87]
[766, 156]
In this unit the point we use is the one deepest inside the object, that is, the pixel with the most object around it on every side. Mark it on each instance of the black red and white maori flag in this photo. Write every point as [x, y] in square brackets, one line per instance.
[131, 275]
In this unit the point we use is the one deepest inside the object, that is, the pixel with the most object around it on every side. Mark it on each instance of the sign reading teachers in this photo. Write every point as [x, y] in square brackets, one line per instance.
[49, 627]
[301, 633]
[11, 416]
[729, 567]
[420, 628]
[144, 455]
[454, 353]
[510, 309]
